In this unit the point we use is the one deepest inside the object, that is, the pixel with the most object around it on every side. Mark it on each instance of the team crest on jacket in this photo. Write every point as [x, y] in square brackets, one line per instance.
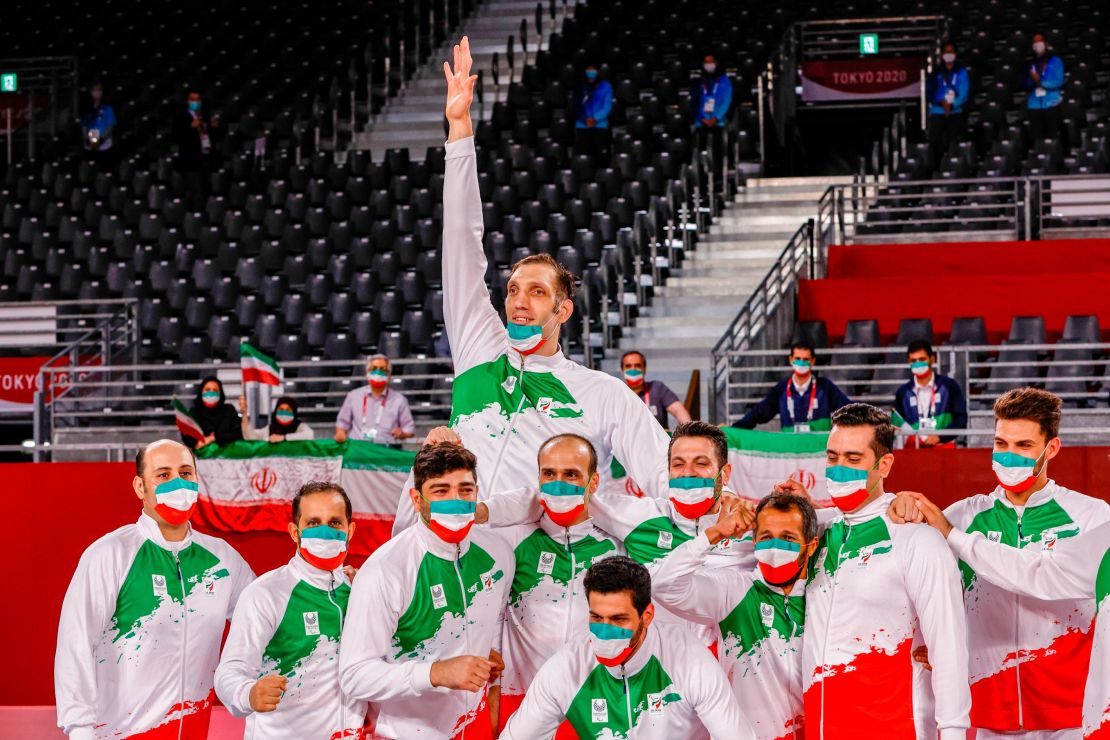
[311, 623]
[655, 704]
[159, 582]
[599, 710]
[547, 563]
[439, 599]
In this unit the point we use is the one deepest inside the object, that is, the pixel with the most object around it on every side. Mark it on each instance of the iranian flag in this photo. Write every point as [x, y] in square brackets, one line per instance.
[248, 486]
[759, 461]
[258, 367]
[186, 424]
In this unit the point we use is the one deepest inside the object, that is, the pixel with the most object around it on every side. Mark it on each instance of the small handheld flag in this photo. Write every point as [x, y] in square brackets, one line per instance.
[186, 424]
[257, 367]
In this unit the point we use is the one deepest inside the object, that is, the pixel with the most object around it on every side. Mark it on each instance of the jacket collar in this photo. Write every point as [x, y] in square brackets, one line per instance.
[639, 659]
[798, 589]
[559, 534]
[537, 363]
[148, 528]
[313, 576]
[871, 511]
[436, 546]
[1042, 496]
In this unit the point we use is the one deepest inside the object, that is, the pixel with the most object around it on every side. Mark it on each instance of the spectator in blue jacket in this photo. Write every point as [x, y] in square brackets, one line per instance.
[803, 401]
[1044, 80]
[97, 128]
[710, 100]
[593, 101]
[947, 91]
[929, 400]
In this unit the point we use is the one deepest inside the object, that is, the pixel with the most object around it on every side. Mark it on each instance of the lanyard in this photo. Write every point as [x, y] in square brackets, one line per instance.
[932, 403]
[715, 86]
[381, 408]
[812, 399]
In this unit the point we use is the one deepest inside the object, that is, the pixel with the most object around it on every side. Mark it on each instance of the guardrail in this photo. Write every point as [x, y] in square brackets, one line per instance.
[51, 326]
[1073, 370]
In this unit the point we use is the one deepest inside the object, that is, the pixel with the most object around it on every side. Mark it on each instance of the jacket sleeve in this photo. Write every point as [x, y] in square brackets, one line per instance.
[510, 508]
[724, 99]
[241, 661]
[86, 612]
[963, 89]
[544, 705]
[619, 514]
[604, 103]
[697, 597]
[636, 439]
[373, 611]
[1053, 78]
[934, 587]
[241, 573]
[837, 397]
[1068, 572]
[304, 431]
[406, 515]
[958, 408]
[712, 698]
[763, 411]
[473, 326]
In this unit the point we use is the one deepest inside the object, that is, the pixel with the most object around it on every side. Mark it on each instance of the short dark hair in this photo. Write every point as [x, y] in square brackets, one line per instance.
[920, 344]
[806, 346]
[1033, 404]
[618, 573]
[564, 278]
[140, 457]
[866, 415]
[319, 486]
[634, 352]
[787, 502]
[702, 429]
[591, 469]
[436, 461]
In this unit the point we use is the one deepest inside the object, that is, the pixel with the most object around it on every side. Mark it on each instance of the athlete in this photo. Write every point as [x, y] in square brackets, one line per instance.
[627, 677]
[546, 609]
[1028, 656]
[280, 665]
[874, 591]
[1074, 569]
[514, 388]
[760, 612]
[141, 623]
[421, 643]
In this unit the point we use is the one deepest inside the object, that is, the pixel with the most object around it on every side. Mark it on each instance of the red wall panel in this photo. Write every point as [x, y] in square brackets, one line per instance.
[968, 258]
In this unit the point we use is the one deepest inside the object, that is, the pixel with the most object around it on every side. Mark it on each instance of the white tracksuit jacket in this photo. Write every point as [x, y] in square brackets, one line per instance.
[139, 634]
[288, 622]
[670, 689]
[417, 600]
[541, 396]
[1028, 657]
[650, 531]
[875, 591]
[1073, 568]
[761, 632]
[547, 603]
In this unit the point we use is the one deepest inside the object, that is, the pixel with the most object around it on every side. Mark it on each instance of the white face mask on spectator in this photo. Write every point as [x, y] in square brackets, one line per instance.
[1038, 47]
[948, 58]
[709, 67]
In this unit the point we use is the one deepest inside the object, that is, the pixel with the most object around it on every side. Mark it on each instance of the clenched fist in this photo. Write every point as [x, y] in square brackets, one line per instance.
[267, 692]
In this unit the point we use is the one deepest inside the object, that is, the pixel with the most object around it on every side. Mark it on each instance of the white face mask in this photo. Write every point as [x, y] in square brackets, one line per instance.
[1038, 48]
[612, 645]
[948, 58]
[709, 67]
[527, 338]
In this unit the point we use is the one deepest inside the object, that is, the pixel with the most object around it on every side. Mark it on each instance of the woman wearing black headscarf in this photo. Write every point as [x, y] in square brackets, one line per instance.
[217, 418]
[285, 423]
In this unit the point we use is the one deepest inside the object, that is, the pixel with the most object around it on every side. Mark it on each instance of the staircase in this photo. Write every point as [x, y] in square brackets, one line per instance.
[691, 312]
[413, 119]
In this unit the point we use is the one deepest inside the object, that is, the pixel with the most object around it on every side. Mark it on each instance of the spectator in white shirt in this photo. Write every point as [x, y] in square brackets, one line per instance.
[375, 412]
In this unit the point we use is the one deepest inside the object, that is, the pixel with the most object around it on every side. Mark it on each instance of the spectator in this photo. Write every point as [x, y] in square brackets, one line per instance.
[654, 393]
[803, 402]
[593, 100]
[374, 412]
[947, 93]
[1044, 80]
[285, 423]
[710, 101]
[195, 131]
[217, 418]
[929, 401]
[97, 126]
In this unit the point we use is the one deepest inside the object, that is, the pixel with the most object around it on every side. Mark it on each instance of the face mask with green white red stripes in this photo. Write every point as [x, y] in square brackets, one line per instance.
[175, 500]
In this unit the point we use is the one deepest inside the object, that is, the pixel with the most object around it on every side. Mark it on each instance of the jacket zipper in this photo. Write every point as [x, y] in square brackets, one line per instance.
[828, 623]
[339, 611]
[462, 591]
[570, 586]
[627, 698]
[1017, 637]
[184, 643]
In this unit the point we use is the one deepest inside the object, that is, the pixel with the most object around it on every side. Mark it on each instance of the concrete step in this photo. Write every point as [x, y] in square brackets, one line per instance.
[706, 331]
[800, 209]
[757, 237]
[689, 345]
[724, 284]
[807, 196]
[740, 270]
[738, 250]
[670, 312]
[818, 181]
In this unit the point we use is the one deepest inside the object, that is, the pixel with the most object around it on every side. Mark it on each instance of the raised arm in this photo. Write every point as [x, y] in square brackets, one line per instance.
[473, 326]
[697, 597]
[637, 440]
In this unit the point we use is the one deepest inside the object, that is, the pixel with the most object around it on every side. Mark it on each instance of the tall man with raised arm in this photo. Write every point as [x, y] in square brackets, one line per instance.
[876, 590]
[141, 624]
[513, 386]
